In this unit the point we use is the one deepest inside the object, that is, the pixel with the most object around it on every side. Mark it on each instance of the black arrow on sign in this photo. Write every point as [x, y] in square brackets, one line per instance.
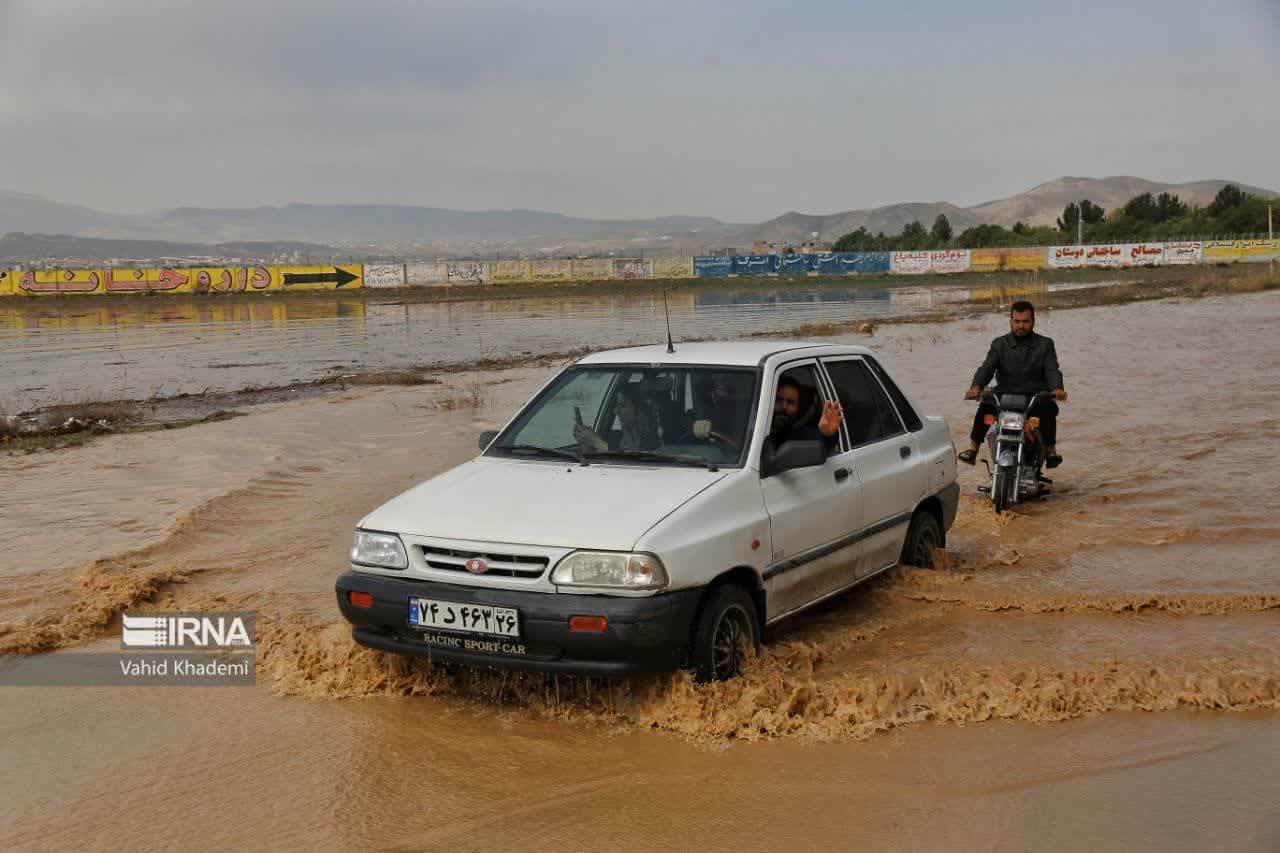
[337, 278]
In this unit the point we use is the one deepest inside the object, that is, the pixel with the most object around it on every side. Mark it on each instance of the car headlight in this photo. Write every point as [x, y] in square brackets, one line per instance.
[384, 550]
[610, 569]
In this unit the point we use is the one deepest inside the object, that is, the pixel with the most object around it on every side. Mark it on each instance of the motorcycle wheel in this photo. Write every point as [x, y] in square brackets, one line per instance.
[1002, 488]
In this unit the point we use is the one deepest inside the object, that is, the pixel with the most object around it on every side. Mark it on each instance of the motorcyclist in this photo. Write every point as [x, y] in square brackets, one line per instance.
[1025, 363]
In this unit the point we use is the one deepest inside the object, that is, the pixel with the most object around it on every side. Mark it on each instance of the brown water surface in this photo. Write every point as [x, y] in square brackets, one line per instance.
[1100, 670]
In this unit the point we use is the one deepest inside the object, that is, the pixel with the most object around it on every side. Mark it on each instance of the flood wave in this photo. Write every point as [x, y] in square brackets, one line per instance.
[788, 691]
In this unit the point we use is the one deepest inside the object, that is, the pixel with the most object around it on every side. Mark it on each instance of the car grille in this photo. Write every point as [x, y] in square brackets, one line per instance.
[499, 565]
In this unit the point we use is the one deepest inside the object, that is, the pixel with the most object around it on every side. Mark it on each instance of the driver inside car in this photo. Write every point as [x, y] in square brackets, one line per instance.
[723, 408]
[637, 419]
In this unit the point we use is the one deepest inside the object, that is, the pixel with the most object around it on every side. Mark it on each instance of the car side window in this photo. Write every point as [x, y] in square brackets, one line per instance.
[868, 414]
[914, 424]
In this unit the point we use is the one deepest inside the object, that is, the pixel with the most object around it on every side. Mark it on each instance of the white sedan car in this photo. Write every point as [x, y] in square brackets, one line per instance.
[654, 507]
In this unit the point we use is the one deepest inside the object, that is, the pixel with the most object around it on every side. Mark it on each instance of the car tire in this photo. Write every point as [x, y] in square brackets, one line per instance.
[727, 633]
[923, 536]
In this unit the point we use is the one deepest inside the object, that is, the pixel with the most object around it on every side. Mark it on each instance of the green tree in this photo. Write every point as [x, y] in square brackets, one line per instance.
[1143, 208]
[1020, 228]
[1091, 213]
[1170, 207]
[1070, 218]
[855, 241]
[1228, 197]
[941, 230]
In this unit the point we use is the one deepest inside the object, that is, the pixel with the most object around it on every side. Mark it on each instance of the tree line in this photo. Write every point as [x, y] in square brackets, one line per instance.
[1143, 218]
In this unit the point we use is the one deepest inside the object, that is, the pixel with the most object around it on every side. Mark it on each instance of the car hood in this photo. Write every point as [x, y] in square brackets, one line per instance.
[556, 504]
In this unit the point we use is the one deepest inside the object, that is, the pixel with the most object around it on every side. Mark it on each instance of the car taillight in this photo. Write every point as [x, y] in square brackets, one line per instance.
[360, 599]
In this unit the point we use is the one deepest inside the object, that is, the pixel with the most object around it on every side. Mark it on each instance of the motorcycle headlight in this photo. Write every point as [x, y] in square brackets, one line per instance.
[611, 570]
[384, 550]
[1011, 420]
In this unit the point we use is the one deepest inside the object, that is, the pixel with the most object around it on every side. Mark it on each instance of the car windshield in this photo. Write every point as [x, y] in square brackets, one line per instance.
[626, 414]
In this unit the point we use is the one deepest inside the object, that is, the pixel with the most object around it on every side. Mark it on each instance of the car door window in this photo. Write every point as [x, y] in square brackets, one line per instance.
[869, 416]
[909, 416]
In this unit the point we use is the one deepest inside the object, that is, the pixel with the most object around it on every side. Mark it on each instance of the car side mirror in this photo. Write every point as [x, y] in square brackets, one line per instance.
[487, 437]
[791, 455]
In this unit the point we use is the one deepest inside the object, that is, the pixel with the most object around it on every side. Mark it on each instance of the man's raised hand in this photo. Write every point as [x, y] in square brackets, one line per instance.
[831, 418]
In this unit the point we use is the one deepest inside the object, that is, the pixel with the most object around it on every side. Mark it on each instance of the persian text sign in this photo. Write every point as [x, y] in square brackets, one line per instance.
[1218, 251]
[384, 275]
[508, 272]
[909, 263]
[794, 264]
[1022, 259]
[630, 269]
[1143, 254]
[428, 273]
[949, 260]
[591, 269]
[712, 267]
[673, 267]
[984, 260]
[755, 264]
[1064, 257]
[1104, 256]
[468, 272]
[551, 270]
[1183, 253]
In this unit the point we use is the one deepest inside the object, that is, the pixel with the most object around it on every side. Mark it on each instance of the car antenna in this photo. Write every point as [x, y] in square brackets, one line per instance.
[670, 347]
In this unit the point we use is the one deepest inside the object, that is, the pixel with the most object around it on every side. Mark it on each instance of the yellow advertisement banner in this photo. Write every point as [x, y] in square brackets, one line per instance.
[1228, 251]
[1009, 293]
[1022, 259]
[592, 269]
[508, 272]
[673, 267]
[316, 277]
[551, 270]
[984, 260]
[56, 282]
[229, 279]
[6, 282]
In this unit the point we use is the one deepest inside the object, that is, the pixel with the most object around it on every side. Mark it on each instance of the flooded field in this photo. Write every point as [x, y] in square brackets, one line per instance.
[138, 349]
[1100, 670]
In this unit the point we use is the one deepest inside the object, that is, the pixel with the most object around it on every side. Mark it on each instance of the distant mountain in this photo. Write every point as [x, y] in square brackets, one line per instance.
[24, 212]
[799, 227]
[366, 223]
[1043, 205]
[16, 248]
[406, 231]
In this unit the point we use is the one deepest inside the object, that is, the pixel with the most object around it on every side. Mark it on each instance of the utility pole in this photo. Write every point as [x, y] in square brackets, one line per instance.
[1080, 225]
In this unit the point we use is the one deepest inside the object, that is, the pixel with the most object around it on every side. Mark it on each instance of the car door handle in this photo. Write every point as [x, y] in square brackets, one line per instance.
[842, 474]
[904, 451]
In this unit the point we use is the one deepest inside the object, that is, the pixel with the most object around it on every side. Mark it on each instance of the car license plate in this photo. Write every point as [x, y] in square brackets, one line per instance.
[465, 618]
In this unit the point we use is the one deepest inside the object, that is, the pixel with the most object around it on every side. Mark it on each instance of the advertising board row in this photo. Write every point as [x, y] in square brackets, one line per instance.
[464, 273]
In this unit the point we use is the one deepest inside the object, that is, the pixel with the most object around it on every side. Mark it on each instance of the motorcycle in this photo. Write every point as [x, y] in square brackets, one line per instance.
[1015, 445]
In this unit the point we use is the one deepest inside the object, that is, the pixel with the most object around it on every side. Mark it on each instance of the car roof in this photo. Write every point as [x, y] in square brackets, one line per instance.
[728, 353]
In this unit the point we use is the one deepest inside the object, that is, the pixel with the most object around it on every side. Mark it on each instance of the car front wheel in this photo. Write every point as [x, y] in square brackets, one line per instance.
[728, 633]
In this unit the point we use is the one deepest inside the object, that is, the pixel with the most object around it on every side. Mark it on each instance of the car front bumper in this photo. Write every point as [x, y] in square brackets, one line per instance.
[649, 634]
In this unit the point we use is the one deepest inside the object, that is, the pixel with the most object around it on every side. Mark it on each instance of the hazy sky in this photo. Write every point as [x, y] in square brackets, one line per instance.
[732, 108]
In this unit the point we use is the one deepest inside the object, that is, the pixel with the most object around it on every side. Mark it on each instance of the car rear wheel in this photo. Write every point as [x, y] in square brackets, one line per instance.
[923, 536]
[728, 633]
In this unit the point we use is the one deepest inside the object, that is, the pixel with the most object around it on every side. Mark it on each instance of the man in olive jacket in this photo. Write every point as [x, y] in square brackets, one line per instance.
[1022, 363]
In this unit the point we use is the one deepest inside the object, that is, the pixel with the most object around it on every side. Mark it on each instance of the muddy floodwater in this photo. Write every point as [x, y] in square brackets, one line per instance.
[1098, 671]
[130, 349]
